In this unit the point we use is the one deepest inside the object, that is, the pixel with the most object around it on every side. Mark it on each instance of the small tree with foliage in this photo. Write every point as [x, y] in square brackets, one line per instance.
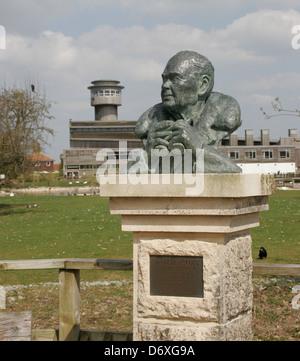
[23, 130]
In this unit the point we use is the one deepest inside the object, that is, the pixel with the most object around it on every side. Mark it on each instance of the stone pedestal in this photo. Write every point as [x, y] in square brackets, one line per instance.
[200, 288]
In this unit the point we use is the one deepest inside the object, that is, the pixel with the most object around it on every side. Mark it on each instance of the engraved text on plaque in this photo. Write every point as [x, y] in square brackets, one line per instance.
[180, 276]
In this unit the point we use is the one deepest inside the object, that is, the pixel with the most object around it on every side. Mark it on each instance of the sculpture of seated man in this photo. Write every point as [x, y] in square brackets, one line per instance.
[190, 116]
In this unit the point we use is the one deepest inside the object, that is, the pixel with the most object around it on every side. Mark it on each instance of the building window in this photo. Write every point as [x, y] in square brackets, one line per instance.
[103, 129]
[234, 154]
[250, 154]
[106, 93]
[48, 164]
[267, 154]
[284, 154]
[73, 167]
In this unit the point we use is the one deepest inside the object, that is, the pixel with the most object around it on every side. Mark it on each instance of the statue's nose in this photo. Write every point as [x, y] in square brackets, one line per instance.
[166, 84]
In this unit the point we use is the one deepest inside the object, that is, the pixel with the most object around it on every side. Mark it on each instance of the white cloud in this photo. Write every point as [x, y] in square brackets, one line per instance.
[51, 52]
[281, 81]
[264, 31]
[261, 37]
[140, 54]
[136, 55]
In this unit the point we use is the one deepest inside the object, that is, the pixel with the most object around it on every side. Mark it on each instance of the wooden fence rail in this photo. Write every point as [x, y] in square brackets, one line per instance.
[276, 269]
[69, 283]
[67, 264]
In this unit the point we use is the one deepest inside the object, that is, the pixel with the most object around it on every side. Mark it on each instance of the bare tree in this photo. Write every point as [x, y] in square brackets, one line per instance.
[23, 117]
[277, 106]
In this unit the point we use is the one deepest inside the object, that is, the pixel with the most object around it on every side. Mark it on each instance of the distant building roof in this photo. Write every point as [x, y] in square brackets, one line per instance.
[34, 157]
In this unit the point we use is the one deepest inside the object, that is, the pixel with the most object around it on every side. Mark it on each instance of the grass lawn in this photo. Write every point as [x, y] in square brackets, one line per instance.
[82, 227]
[279, 230]
[60, 227]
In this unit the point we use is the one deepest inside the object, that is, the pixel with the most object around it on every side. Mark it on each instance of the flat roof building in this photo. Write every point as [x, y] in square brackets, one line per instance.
[104, 132]
[264, 155]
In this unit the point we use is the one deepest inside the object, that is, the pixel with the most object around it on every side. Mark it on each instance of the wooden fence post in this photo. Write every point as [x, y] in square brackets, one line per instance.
[2, 298]
[69, 305]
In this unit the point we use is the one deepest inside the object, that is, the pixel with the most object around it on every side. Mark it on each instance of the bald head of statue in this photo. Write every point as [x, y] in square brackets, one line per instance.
[188, 80]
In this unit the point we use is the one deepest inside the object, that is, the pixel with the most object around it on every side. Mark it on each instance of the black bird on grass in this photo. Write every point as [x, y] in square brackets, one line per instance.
[262, 253]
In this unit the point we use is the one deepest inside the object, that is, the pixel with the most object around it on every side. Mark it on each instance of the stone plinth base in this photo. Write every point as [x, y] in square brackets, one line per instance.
[227, 288]
[238, 329]
[206, 235]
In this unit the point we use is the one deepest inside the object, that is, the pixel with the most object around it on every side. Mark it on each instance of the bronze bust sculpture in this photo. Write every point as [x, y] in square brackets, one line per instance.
[191, 116]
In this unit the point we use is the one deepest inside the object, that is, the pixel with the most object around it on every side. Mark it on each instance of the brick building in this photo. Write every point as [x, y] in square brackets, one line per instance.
[263, 154]
[41, 163]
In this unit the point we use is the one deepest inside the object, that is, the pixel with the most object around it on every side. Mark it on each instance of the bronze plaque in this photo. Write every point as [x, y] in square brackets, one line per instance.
[180, 276]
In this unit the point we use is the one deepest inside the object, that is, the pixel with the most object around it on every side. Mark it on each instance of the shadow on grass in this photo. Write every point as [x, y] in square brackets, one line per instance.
[10, 209]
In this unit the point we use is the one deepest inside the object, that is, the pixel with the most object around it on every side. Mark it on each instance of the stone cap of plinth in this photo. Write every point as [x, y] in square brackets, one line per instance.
[187, 185]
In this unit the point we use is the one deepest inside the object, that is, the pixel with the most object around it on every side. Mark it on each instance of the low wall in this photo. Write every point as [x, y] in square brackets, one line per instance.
[54, 191]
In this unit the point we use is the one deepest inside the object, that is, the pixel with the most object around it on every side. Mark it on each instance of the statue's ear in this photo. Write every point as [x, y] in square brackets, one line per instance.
[204, 85]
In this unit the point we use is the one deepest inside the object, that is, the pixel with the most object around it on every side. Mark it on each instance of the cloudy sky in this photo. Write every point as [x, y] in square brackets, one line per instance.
[63, 45]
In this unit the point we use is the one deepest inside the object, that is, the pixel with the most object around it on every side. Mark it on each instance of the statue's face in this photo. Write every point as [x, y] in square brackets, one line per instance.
[180, 86]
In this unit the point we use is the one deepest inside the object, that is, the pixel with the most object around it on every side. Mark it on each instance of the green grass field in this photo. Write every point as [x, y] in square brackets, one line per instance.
[60, 227]
[279, 230]
[82, 227]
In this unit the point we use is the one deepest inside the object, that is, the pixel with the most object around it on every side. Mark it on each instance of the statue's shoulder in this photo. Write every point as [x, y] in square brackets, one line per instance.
[150, 116]
[222, 111]
[222, 101]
